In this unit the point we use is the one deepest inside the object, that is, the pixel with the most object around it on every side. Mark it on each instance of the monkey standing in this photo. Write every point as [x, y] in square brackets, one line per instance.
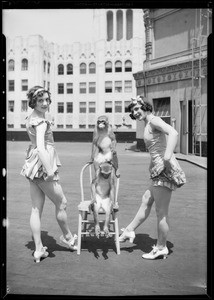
[104, 145]
[103, 195]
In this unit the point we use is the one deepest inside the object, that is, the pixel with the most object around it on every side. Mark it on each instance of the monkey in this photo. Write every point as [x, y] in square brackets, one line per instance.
[104, 145]
[103, 196]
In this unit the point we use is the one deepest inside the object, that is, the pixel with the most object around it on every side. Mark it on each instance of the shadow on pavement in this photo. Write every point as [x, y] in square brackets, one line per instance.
[49, 242]
[144, 243]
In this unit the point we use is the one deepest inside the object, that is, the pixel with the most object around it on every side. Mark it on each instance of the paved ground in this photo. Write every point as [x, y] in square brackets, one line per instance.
[99, 270]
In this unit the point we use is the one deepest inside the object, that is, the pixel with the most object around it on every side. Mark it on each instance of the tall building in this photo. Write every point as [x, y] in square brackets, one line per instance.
[174, 76]
[85, 80]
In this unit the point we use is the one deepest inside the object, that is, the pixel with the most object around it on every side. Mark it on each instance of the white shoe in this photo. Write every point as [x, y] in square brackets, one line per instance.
[71, 243]
[156, 252]
[40, 254]
[127, 235]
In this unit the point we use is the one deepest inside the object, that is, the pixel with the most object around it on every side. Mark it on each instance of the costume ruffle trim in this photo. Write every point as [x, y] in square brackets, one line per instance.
[33, 167]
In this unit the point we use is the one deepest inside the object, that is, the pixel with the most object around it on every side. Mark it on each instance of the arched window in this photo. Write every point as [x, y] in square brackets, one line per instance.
[60, 69]
[82, 68]
[119, 25]
[129, 24]
[44, 66]
[109, 25]
[92, 68]
[24, 64]
[11, 65]
[128, 66]
[49, 66]
[118, 66]
[108, 67]
[69, 69]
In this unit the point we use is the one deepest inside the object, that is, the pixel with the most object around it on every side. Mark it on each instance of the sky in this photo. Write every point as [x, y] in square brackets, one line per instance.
[60, 26]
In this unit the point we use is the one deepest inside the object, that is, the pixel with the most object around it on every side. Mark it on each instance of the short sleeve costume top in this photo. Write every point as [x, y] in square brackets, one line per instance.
[155, 141]
[33, 167]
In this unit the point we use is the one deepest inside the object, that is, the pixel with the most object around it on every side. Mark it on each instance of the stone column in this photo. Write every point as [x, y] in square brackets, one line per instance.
[148, 33]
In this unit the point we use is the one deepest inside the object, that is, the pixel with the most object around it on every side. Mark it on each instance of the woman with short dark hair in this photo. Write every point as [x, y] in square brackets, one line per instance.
[165, 172]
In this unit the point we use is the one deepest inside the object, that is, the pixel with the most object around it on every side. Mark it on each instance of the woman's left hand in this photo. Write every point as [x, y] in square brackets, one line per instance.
[167, 165]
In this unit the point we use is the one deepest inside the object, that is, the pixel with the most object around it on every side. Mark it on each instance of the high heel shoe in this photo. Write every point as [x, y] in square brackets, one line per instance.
[156, 252]
[127, 235]
[71, 243]
[39, 254]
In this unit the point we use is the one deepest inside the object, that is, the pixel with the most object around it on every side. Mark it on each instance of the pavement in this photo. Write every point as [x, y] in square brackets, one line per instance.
[98, 270]
[193, 159]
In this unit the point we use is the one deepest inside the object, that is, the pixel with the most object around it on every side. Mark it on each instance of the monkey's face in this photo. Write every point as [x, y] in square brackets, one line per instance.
[102, 123]
[105, 169]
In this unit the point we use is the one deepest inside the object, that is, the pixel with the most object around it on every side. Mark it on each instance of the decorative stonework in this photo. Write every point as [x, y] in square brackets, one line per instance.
[176, 72]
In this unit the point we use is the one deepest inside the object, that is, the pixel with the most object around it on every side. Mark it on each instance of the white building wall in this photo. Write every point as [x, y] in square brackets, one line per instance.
[36, 50]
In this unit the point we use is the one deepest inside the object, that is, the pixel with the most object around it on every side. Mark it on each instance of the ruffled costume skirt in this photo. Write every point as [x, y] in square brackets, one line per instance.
[172, 177]
[33, 167]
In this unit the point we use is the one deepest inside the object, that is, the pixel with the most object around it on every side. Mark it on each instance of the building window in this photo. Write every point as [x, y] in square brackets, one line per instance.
[60, 88]
[108, 106]
[126, 104]
[60, 69]
[49, 66]
[44, 66]
[44, 83]
[60, 107]
[82, 87]
[11, 105]
[24, 84]
[60, 126]
[162, 109]
[108, 86]
[24, 64]
[10, 125]
[119, 25]
[69, 88]
[108, 67]
[48, 86]
[69, 126]
[128, 66]
[92, 68]
[82, 107]
[82, 68]
[109, 25]
[69, 107]
[92, 107]
[118, 106]
[24, 105]
[23, 126]
[129, 24]
[91, 126]
[118, 86]
[82, 126]
[11, 85]
[92, 87]
[118, 66]
[11, 65]
[128, 86]
[69, 69]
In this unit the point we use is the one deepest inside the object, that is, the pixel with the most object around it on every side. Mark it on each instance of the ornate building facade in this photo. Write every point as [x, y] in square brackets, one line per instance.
[174, 77]
[85, 80]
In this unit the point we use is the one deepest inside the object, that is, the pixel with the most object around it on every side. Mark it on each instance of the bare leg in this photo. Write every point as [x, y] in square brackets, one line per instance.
[38, 199]
[54, 192]
[143, 212]
[162, 196]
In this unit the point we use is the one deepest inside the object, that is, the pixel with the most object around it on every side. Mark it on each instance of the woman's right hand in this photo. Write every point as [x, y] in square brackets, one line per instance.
[49, 177]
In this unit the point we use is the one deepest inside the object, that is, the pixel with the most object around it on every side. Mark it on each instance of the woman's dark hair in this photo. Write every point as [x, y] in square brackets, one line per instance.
[33, 96]
[145, 105]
